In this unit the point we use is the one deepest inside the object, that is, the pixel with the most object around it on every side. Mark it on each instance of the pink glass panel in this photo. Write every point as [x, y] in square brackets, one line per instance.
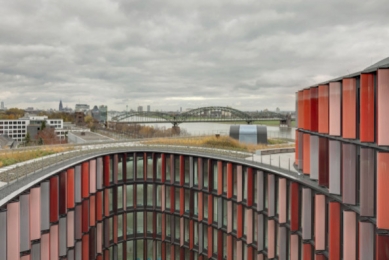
[335, 108]
[320, 222]
[249, 224]
[382, 107]
[45, 247]
[92, 176]
[349, 235]
[239, 182]
[99, 238]
[229, 216]
[54, 242]
[282, 200]
[13, 222]
[35, 213]
[271, 246]
[294, 247]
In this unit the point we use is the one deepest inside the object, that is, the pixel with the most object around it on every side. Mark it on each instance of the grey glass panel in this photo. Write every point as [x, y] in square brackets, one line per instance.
[99, 173]
[314, 165]
[349, 169]
[24, 222]
[219, 210]
[282, 243]
[260, 189]
[366, 243]
[35, 252]
[367, 180]
[3, 235]
[45, 206]
[306, 214]
[70, 254]
[261, 234]
[78, 251]
[77, 184]
[62, 236]
[271, 186]
[191, 171]
[77, 224]
[335, 166]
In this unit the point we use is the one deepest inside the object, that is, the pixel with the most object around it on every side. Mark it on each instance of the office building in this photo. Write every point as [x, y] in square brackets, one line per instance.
[148, 108]
[81, 108]
[2, 105]
[342, 145]
[103, 113]
[140, 108]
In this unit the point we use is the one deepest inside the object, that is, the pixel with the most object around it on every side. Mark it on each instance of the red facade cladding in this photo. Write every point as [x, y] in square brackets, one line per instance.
[220, 245]
[210, 209]
[229, 181]
[182, 170]
[70, 188]
[300, 107]
[115, 229]
[239, 216]
[85, 216]
[307, 109]
[106, 202]
[85, 180]
[210, 241]
[62, 193]
[250, 187]
[85, 247]
[349, 108]
[54, 199]
[382, 247]
[163, 165]
[182, 201]
[92, 210]
[320, 257]
[296, 156]
[106, 171]
[306, 153]
[294, 207]
[191, 234]
[334, 241]
[323, 162]
[314, 109]
[367, 108]
[307, 252]
[323, 110]
[219, 177]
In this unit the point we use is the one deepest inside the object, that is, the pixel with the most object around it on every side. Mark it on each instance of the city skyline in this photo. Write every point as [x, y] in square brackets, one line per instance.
[246, 54]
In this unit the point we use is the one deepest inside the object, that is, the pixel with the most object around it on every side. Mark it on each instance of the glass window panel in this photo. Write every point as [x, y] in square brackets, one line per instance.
[205, 237]
[120, 197]
[215, 208]
[176, 168]
[120, 225]
[139, 222]
[167, 198]
[159, 250]
[159, 224]
[234, 219]
[120, 167]
[150, 249]
[139, 249]
[111, 169]
[120, 251]
[234, 248]
[225, 213]
[187, 201]
[130, 250]
[139, 196]
[195, 204]
[168, 168]
[130, 224]
[205, 203]
[168, 225]
[111, 229]
[139, 166]
[255, 197]
[214, 244]
[149, 167]
[195, 172]
[177, 199]
[215, 175]
[149, 198]
[186, 230]
[130, 167]
[255, 234]
[159, 196]
[245, 183]
[130, 196]
[205, 174]
[110, 200]
[196, 233]
[186, 170]
[158, 176]
[149, 223]
[177, 252]
[168, 253]
[177, 228]
[224, 246]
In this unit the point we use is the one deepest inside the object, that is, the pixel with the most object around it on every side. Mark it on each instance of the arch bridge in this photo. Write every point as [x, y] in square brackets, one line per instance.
[203, 114]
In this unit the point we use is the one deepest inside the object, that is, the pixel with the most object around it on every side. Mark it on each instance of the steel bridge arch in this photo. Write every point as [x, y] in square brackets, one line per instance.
[161, 115]
[233, 111]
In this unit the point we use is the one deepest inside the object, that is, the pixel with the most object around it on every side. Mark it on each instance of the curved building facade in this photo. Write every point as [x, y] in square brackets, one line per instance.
[342, 143]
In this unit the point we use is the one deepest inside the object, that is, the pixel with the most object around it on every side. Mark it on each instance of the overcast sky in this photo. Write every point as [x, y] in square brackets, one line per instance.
[247, 54]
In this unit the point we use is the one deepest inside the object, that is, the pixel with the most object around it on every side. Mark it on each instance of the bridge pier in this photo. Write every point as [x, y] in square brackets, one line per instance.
[176, 130]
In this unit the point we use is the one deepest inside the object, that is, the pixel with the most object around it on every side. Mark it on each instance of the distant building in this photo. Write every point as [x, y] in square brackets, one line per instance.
[148, 108]
[82, 108]
[278, 109]
[79, 118]
[140, 108]
[180, 109]
[2, 105]
[103, 113]
[95, 112]
[60, 108]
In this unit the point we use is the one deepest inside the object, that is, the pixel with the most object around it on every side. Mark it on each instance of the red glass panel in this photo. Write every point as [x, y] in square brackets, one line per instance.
[294, 207]
[85, 216]
[306, 153]
[382, 247]
[54, 199]
[314, 109]
[334, 227]
[219, 177]
[250, 183]
[307, 109]
[239, 220]
[382, 190]
[300, 107]
[382, 107]
[229, 181]
[323, 109]
[62, 193]
[323, 162]
[85, 180]
[367, 107]
[106, 171]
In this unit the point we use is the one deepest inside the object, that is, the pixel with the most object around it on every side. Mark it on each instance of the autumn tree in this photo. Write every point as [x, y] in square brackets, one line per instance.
[47, 136]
